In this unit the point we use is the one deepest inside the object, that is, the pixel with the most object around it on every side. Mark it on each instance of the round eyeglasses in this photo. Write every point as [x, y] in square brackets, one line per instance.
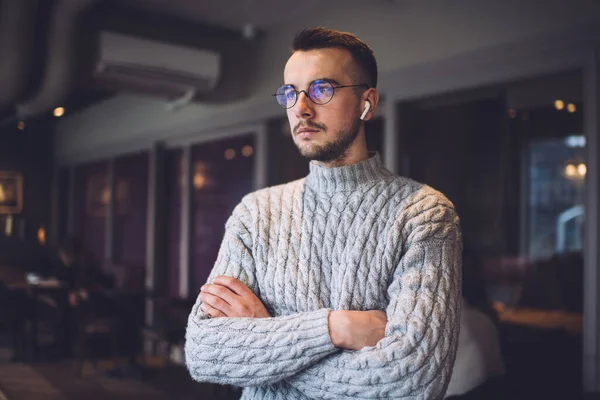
[319, 92]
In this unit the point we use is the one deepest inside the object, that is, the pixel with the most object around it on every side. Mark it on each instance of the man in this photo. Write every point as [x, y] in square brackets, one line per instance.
[344, 284]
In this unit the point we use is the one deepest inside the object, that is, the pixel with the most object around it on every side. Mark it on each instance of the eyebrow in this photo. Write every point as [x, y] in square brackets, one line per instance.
[330, 80]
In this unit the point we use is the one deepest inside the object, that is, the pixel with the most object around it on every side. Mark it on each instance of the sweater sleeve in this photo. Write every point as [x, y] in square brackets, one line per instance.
[415, 358]
[251, 351]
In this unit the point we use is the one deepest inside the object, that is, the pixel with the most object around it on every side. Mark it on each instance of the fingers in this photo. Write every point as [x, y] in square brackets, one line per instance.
[232, 298]
[233, 284]
[215, 302]
[220, 291]
[211, 311]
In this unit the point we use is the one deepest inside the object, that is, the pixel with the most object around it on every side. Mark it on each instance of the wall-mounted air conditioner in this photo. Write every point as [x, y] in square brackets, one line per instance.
[127, 63]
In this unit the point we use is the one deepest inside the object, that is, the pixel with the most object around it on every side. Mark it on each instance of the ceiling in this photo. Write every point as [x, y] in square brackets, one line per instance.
[233, 14]
[48, 42]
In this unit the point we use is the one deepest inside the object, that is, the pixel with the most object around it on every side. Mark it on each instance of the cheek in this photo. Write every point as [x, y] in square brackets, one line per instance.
[346, 110]
[290, 114]
[339, 116]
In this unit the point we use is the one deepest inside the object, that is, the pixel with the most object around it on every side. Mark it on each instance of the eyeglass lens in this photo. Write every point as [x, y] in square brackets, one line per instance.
[320, 92]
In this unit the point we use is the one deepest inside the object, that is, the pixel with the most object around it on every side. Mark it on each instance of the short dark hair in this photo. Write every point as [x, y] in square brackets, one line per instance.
[321, 38]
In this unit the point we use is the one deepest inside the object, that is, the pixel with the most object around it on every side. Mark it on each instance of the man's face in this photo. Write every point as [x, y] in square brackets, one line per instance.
[323, 132]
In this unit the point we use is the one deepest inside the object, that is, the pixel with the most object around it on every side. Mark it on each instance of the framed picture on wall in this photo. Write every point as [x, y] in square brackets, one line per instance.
[11, 192]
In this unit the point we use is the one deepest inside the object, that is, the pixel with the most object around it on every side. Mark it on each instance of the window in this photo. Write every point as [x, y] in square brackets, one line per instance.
[556, 173]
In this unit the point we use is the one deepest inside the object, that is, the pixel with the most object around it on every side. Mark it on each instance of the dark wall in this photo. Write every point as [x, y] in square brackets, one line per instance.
[30, 153]
[173, 184]
[219, 185]
[284, 157]
[91, 207]
[462, 150]
[131, 175]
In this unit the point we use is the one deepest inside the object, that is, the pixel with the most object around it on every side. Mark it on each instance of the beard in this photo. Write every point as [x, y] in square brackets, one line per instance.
[333, 150]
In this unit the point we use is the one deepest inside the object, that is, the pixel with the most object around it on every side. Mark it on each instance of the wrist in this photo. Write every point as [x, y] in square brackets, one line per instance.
[337, 330]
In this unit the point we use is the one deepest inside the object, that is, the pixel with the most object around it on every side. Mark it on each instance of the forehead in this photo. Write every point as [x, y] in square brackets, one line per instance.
[304, 67]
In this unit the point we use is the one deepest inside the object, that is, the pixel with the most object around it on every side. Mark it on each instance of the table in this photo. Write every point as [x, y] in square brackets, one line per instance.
[55, 289]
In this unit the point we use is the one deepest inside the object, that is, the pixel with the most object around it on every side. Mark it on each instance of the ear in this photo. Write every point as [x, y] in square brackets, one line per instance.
[371, 97]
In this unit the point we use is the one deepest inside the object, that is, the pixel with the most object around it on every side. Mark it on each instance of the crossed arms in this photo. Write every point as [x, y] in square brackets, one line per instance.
[227, 297]
[405, 352]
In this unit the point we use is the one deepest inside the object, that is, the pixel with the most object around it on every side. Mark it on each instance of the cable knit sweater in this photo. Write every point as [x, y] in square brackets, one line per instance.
[348, 238]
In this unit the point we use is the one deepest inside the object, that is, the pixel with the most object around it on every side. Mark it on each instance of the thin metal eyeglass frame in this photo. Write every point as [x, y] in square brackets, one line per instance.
[366, 86]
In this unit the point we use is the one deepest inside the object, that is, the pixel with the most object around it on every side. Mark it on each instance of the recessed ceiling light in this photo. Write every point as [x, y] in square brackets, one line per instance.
[59, 111]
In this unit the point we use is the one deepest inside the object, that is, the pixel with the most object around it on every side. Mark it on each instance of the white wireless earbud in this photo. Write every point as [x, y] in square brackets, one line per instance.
[367, 108]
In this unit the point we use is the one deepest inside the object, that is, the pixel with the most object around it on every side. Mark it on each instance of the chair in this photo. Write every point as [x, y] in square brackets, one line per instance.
[95, 321]
[169, 326]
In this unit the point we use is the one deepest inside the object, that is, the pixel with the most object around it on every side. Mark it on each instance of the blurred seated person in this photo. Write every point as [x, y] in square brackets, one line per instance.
[478, 367]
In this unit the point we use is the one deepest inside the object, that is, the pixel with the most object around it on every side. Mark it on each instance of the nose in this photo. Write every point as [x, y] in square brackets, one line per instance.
[303, 107]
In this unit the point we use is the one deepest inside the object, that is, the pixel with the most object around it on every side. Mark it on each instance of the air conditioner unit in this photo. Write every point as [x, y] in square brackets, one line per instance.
[127, 63]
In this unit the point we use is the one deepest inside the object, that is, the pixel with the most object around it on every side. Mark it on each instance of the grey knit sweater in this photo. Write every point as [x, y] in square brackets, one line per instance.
[349, 238]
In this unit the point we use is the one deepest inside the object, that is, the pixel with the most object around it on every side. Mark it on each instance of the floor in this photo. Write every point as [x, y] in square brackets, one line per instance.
[59, 380]
[534, 372]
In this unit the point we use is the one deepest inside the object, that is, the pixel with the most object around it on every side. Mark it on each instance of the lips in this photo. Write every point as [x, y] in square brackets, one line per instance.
[305, 133]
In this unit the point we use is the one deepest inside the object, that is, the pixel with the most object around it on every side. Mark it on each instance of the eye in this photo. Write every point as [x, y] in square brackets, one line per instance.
[322, 90]
[290, 92]
[285, 95]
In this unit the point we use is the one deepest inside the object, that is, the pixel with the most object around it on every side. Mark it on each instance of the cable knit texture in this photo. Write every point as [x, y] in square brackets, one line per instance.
[349, 238]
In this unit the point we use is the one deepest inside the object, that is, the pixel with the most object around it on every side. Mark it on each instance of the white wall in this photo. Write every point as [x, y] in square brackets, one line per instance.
[402, 33]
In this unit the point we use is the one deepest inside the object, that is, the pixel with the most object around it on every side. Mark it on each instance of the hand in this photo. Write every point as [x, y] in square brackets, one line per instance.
[354, 330]
[228, 297]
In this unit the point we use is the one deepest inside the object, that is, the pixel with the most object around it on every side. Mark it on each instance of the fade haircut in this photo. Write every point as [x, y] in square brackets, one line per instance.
[323, 38]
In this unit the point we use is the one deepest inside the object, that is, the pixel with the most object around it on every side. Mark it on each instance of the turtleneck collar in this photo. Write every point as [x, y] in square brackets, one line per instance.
[348, 177]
